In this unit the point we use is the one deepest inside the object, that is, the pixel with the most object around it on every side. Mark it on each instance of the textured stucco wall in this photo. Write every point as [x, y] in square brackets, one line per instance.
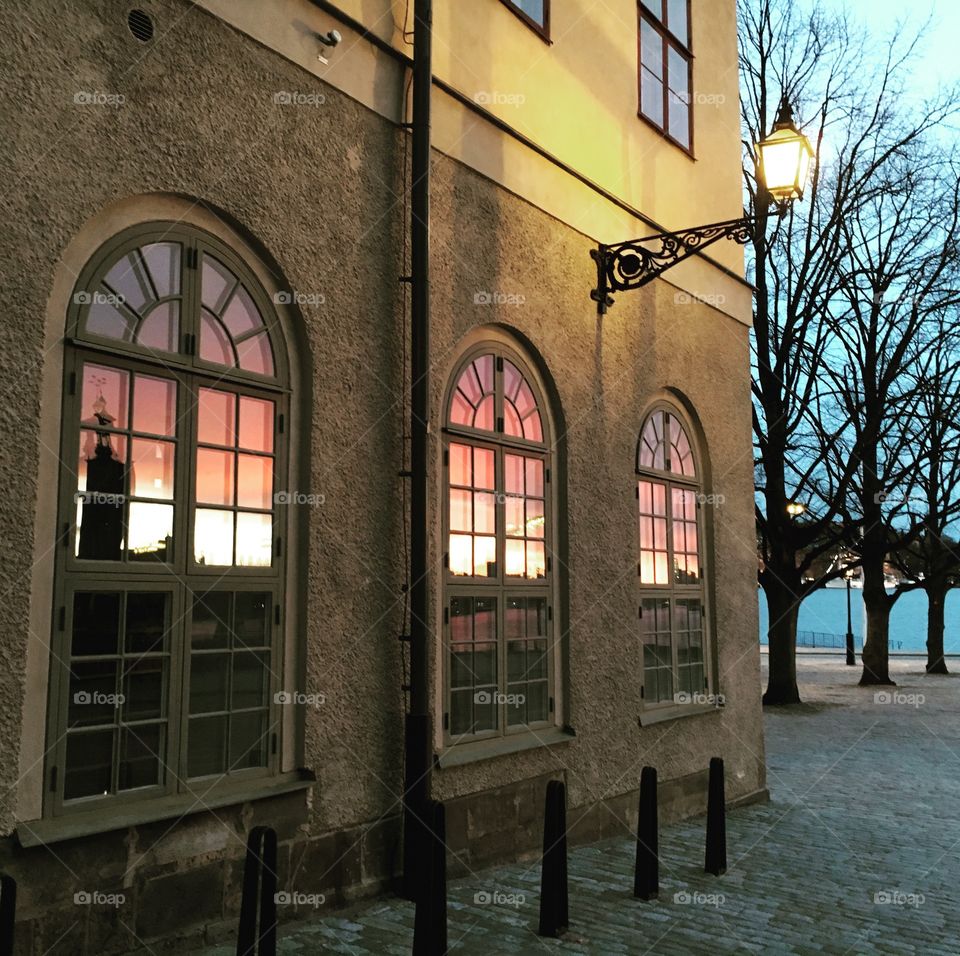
[321, 187]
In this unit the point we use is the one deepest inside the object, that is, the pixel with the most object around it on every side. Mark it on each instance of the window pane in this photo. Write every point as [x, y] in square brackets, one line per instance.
[211, 620]
[241, 314]
[256, 354]
[150, 532]
[216, 283]
[154, 405]
[515, 559]
[89, 764]
[215, 345]
[249, 680]
[533, 9]
[256, 424]
[96, 623]
[677, 20]
[208, 682]
[151, 465]
[147, 622]
[461, 472]
[248, 741]
[143, 689]
[460, 511]
[514, 516]
[536, 560]
[461, 554]
[679, 120]
[206, 753]
[534, 477]
[484, 416]
[651, 50]
[254, 540]
[484, 474]
[127, 278]
[252, 621]
[485, 557]
[163, 264]
[536, 520]
[160, 329]
[513, 468]
[140, 755]
[651, 97]
[484, 513]
[93, 694]
[254, 481]
[213, 537]
[216, 417]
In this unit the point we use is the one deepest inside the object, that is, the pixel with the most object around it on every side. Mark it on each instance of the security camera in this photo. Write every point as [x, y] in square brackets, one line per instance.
[333, 38]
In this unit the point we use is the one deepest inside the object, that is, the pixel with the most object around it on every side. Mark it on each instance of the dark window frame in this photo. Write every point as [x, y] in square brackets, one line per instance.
[541, 29]
[685, 50]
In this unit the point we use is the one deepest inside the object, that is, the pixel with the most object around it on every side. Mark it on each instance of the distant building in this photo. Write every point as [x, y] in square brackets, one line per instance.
[205, 377]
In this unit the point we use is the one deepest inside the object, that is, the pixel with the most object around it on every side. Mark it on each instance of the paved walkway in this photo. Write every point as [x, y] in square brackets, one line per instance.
[857, 851]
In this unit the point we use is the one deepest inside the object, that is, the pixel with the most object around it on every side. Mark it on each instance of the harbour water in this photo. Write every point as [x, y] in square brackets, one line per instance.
[826, 611]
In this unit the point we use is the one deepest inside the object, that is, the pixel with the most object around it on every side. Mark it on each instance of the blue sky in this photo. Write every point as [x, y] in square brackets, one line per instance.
[940, 62]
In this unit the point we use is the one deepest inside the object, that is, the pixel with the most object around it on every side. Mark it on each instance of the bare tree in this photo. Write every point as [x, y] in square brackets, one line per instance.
[847, 100]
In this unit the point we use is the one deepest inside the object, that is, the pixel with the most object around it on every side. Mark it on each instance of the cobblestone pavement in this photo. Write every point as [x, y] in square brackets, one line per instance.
[856, 852]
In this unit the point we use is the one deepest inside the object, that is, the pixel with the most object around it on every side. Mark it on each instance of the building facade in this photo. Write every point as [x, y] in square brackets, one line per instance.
[206, 370]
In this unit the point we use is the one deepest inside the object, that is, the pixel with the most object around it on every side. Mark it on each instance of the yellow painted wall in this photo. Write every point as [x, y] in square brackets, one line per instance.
[575, 96]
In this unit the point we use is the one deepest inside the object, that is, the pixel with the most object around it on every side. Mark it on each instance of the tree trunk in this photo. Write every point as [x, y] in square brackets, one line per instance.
[936, 601]
[783, 606]
[876, 657]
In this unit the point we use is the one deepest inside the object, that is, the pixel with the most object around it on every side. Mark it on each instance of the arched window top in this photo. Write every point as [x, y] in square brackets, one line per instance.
[665, 446]
[493, 394]
[175, 293]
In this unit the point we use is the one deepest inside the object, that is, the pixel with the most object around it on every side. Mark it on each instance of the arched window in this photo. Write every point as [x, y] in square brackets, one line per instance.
[498, 574]
[170, 565]
[672, 601]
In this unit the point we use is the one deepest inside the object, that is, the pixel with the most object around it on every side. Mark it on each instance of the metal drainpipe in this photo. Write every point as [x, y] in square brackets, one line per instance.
[419, 726]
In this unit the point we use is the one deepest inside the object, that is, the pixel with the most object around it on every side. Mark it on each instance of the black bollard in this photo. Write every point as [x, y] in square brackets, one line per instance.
[430, 921]
[8, 912]
[554, 909]
[716, 855]
[646, 876]
[258, 906]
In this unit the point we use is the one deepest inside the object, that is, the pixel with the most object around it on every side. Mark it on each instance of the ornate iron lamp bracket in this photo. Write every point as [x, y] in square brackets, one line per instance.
[631, 264]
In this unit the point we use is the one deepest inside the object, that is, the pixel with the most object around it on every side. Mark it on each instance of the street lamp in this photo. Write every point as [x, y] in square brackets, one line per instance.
[795, 509]
[851, 656]
[784, 159]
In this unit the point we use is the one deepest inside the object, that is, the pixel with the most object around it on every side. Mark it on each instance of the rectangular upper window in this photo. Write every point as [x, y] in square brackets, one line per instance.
[666, 69]
[535, 13]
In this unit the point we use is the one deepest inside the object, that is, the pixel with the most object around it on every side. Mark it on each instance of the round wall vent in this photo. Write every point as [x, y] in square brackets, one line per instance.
[141, 26]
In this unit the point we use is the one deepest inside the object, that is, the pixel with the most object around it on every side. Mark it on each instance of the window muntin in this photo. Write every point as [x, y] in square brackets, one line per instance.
[670, 569]
[498, 605]
[141, 701]
[666, 68]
